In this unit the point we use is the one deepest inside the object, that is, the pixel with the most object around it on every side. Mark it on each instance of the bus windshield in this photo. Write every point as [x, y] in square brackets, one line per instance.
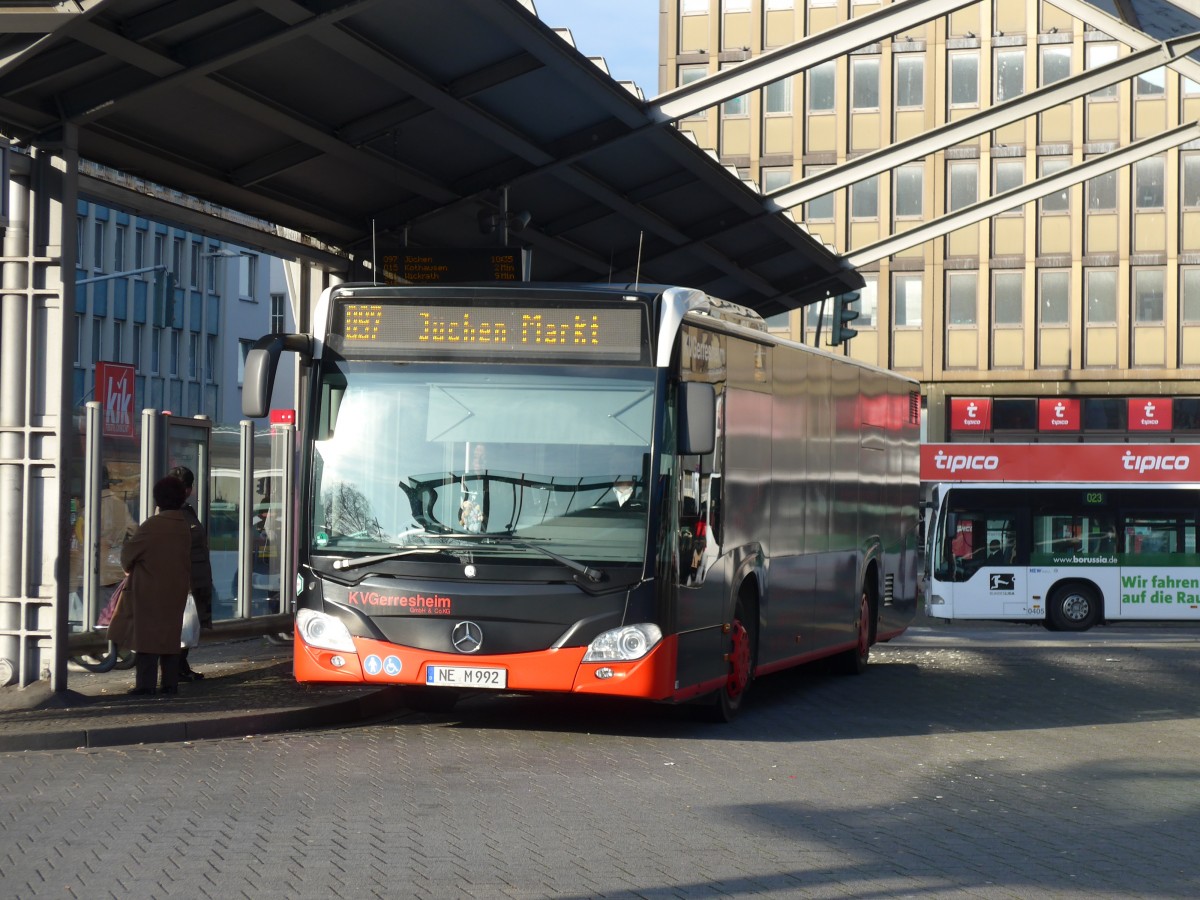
[488, 458]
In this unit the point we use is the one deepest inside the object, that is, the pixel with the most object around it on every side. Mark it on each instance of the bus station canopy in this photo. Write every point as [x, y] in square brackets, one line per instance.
[368, 126]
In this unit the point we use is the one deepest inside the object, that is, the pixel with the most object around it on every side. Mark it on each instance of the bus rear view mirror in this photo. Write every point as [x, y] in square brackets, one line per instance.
[697, 418]
[258, 372]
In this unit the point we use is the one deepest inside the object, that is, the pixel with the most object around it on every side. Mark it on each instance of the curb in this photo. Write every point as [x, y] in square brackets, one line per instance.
[342, 712]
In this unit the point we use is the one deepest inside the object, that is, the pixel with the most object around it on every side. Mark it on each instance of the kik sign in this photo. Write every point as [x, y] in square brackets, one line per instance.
[114, 390]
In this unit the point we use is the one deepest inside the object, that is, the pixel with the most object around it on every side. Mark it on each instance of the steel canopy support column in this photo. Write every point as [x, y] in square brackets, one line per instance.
[14, 324]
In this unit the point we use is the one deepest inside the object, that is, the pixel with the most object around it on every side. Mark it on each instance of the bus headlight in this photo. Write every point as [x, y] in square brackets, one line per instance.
[623, 644]
[324, 631]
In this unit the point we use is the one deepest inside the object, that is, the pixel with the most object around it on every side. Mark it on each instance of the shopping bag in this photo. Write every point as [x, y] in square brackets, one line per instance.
[190, 635]
[106, 614]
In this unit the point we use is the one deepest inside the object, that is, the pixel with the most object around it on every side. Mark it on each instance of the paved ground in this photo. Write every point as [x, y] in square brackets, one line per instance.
[968, 762]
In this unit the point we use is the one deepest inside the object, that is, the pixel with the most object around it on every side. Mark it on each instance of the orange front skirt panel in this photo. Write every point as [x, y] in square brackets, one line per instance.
[651, 678]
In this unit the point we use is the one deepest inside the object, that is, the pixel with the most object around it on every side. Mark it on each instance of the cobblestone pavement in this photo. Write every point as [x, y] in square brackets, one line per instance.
[997, 762]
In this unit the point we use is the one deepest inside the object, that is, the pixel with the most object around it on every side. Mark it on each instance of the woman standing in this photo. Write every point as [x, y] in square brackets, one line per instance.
[150, 615]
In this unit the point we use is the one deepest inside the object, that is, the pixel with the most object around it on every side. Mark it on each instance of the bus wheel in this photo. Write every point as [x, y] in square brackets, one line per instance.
[431, 700]
[1074, 607]
[854, 661]
[724, 705]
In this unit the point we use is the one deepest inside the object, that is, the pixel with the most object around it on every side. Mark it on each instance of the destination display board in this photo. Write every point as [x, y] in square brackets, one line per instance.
[447, 266]
[451, 331]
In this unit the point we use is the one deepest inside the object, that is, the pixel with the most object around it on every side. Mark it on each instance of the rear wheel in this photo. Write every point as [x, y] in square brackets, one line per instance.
[1073, 607]
[854, 661]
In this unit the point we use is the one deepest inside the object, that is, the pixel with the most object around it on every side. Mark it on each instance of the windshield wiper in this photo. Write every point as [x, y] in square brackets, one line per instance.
[381, 557]
[593, 575]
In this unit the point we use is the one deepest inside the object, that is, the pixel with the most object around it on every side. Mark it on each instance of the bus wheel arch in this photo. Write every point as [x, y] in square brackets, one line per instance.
[1074, 605]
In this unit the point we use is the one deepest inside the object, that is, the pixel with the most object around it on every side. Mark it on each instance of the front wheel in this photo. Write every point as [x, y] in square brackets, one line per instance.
[727, 702]
[1073, 607]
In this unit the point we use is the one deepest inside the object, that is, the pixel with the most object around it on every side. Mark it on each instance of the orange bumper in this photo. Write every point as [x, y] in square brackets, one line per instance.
[651, 678]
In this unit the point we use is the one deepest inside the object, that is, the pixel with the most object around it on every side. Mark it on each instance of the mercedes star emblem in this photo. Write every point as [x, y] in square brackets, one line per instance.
[467, 637]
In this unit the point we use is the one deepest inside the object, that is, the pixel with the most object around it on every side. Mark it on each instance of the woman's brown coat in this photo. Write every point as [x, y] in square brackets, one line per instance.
[158, 559]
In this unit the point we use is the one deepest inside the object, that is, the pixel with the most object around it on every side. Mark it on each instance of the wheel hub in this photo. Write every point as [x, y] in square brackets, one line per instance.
[739, 660]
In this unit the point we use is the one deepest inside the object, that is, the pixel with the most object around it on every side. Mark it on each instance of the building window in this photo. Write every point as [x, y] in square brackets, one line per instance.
[1152, 83]
[819, 209]
[174, 353]
[1189, 294]
[80, 227]
[244, 347]
[119, 249]
[1148, 296]
[1190, 196]
[962, 289]
[910, 81]
[1010, 175]
[97, 340]
[1056, 63]
[690, 75]
[864, 83]
[193, 355]
[1054, 297]
[1059, 201]
[1014, 414]
[868, 302]
[1102, 192]
[79, 340]
[780, 4]
[1010, 74]
[906, 299]
[820, 87]
[1104, 413]
[964, 79]
[155, 350]
[864, 198]
[177, 259]
[735, 107]
[1102, 297]
[278, 308]
[694, 7]
[160, 249]
[775, 177]
[137, 347]
[732, 6]
[1101, 55]
[97, 245]
[210, 357]
[246, 273]
[1007, 293]
[1148, 183]
[964, 184]
[910, 189]
[778, 97]
[194, 268]
[118, 341]
[139, 249]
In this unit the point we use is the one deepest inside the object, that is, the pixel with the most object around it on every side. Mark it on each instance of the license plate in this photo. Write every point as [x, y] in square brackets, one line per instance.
[466, 676]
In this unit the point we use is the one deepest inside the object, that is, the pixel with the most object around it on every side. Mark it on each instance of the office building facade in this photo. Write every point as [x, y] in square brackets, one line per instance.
[1073, 317]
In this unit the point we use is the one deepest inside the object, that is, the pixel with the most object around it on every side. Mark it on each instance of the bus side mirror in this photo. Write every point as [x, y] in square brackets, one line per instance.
[697, 418]
[258, 372]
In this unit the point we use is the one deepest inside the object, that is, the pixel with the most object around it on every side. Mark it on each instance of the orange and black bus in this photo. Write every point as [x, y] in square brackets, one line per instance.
[632, 491]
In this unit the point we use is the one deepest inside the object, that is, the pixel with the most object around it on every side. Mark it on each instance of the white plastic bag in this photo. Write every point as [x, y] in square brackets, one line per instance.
[190, 635]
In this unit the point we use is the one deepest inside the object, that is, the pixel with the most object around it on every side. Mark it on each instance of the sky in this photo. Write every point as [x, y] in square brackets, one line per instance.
[624, 32]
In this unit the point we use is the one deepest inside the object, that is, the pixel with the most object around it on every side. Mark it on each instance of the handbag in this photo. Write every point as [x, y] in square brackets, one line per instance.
[106, 614]
[189, 635]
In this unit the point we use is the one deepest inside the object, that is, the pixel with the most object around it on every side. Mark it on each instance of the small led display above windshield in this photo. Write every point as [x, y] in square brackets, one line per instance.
[590, 333]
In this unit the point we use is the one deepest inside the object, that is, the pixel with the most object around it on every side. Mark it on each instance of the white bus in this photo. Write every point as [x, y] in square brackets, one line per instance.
[1069, 535]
